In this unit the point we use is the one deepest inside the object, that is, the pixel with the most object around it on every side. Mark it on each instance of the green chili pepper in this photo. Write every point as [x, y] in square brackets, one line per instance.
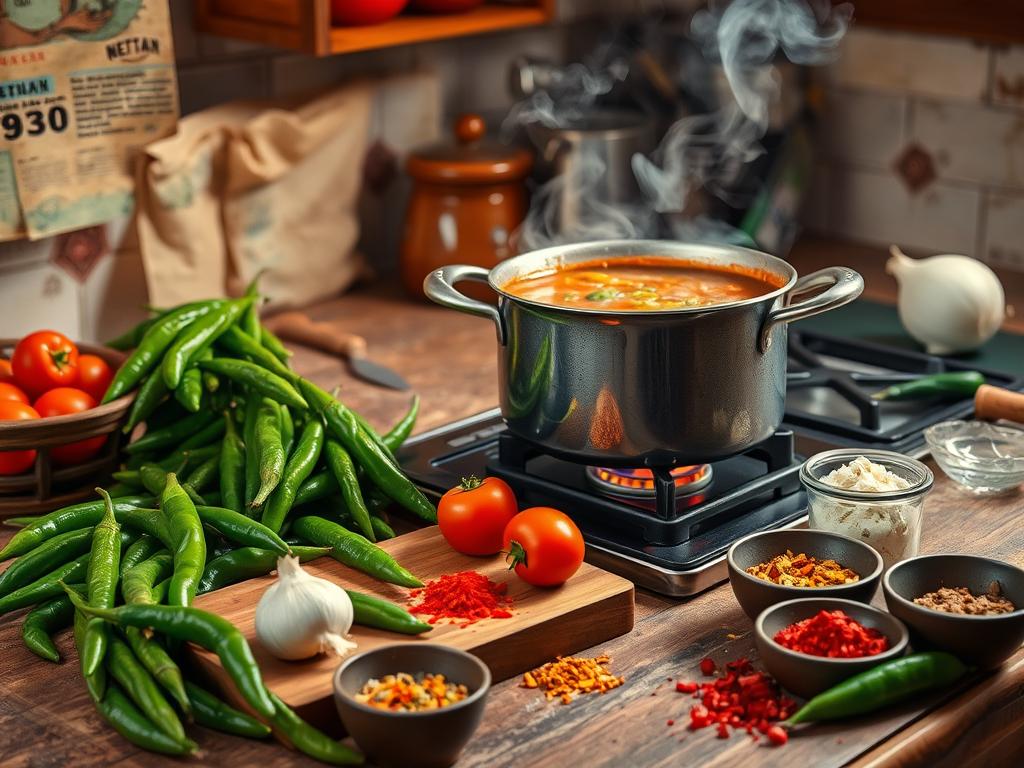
[172, 435]
[250, 320]
[353, 550]
[198, 337]
[241, 529]
[270, 454]
[340, 464]
[101, 583]
[43, 559]
[149, 396]
[243, 344]
[308, 740]
[209, 434]
[214, 713]
[374, 612]
[141, 549]
[189, 393]
[888, 683]
[369, 432]
[257, 379]
[43, 621]
[137, 583]
[252, 465]
[142, 688]
[160, 665]
[186, 531]
[300, 465]
[949, 385]
[206, 473]
[131, 338]
[155, 480]
[232, 467]
[21, 521]
[247, 563]
[274, 345]
[66, 519]
[46, 587]
[160, 592]
[317, 487]
[287, 430]
[377, 464]
[195, 626]
[399, 433]
[118, 710]
[128, 477]
[184, 459]
[96, 682]
[152, 345]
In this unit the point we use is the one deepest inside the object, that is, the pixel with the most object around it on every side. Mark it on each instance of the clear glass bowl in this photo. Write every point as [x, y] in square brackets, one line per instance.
[889, 521]
[983, 457]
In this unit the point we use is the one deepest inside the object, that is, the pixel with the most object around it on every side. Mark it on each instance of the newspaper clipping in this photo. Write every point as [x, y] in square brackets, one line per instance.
[84, 85]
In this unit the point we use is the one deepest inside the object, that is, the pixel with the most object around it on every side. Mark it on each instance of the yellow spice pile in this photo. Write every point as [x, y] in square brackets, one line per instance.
[569, 675]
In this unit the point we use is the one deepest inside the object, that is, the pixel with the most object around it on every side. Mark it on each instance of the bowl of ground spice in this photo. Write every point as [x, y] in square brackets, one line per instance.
[812, 644]
[412, 705]
[968, 605]
[773, 566]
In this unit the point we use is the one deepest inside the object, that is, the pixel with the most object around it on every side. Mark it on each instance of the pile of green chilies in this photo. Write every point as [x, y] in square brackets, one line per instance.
[241, 461]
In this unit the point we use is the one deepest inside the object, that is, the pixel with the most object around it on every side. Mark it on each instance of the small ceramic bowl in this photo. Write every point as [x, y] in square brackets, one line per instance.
[754, 594]
[428, 739]
[807, 675]
[982, 641]
[982, 457]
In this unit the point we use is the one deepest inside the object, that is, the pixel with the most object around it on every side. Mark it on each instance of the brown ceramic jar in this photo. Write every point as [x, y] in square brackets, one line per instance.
[467, 200]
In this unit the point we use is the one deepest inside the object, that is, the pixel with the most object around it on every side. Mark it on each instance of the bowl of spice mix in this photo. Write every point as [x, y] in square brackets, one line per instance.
[412, 705]
[773, 566]
[968, 605]
[812, 644]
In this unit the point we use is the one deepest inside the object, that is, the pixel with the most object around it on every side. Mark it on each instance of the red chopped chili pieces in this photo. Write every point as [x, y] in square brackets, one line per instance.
[707, 667]
[834, 635]
[742, 698]
[464, 597]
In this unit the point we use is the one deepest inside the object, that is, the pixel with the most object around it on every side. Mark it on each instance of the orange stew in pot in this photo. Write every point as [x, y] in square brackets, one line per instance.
[643, 283]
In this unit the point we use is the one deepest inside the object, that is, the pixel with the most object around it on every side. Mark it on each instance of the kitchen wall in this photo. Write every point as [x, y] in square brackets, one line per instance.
[923, 145]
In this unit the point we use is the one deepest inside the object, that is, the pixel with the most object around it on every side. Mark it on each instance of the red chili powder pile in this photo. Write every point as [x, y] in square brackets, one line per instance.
[743, 698]
[464, 597]
[834, 635]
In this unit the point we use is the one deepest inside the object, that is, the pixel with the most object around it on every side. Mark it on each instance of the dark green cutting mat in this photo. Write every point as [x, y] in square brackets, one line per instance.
[880, 323]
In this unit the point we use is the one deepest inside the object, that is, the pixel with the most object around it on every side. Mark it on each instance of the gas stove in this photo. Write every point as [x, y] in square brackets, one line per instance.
[668, 529]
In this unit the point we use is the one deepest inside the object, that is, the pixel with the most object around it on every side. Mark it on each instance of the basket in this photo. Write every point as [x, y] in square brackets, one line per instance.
[47, 487]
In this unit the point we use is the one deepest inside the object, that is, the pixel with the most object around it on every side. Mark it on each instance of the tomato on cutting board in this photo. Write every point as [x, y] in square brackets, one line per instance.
[11, 392]
[472, 516]
[94, 375]
[60, 402]
[44, 360]
[544, 546]
[16, 462]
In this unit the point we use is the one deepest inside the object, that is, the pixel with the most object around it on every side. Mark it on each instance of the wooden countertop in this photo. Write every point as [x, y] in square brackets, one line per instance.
[449, 358]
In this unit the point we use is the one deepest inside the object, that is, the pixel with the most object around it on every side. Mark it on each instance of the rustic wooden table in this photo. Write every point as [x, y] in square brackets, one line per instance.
[46, 718]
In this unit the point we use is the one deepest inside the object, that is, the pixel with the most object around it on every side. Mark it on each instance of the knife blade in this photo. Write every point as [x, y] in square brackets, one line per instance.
[300, 329]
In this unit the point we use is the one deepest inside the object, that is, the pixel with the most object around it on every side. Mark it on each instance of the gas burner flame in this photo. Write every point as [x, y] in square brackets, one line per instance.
[640, 481]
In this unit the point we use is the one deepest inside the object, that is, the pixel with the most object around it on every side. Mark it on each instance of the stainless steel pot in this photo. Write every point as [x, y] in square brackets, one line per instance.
[646, 388]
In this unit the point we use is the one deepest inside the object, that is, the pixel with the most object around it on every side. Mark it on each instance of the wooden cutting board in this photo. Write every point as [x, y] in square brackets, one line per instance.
[593, 606]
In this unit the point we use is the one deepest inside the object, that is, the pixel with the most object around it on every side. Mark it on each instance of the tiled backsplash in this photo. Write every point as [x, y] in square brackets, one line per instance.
[922, 144]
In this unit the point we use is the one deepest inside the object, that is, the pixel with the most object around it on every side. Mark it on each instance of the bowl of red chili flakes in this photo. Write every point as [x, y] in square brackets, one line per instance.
[812, 644]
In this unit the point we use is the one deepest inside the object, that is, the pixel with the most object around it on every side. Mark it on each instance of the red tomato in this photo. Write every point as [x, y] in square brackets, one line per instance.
[544, 545]
[44, 360]
[61, 401]
[358, 12]
[472, 516]
[6, 374]
[16, 462]
[94, 376]
[11, 392]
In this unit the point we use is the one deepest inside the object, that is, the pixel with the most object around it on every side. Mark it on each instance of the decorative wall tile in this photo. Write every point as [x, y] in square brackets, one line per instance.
[1003, 240]
[876, 207]
[206, 85]
[863, 127]
[1008, 77]
[933, 66]
[40, 296]
[972, 143]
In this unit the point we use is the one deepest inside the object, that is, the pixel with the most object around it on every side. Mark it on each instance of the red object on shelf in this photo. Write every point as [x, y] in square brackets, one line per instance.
[444, 6]
[356, 13]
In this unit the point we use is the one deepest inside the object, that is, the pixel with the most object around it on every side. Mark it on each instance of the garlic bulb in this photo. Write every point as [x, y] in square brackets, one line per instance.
[948, 303]
[301, 615]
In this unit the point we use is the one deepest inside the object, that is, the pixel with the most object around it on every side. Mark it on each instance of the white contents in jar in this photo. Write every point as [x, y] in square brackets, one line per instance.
[892, 528]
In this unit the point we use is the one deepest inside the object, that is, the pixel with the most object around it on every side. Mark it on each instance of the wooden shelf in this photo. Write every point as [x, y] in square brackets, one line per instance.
[304, 25]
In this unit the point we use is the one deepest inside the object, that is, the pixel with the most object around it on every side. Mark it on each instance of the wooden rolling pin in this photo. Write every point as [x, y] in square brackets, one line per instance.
[992, 403]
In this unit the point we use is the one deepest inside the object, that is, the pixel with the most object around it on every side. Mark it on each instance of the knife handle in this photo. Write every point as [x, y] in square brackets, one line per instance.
[300, 329]
[992, 403]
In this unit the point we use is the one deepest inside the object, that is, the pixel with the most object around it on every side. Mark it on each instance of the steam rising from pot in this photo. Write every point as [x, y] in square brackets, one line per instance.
[700, 151]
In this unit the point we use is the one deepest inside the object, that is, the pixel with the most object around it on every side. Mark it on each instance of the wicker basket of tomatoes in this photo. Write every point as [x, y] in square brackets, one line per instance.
[56, 441]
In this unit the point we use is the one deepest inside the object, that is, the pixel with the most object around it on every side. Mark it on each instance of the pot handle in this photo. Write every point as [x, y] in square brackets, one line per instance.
[439, 286]
[845, 285]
